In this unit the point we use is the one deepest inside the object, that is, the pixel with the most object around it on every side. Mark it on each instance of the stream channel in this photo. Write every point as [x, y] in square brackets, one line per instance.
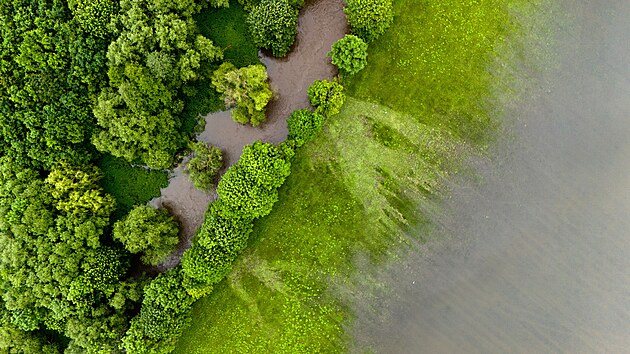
[536, 257]
[321, 23]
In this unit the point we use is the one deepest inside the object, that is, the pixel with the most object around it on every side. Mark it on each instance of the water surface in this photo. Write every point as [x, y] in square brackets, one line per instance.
[538, 256]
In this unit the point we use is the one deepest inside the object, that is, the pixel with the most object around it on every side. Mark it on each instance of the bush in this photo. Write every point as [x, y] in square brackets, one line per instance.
[349, 54]
[150, 231]
[246, 88]
[204, 167]
[369, 19]
[273, 24]
[164, 314]
[327, 97]
[248, 189]
[218, 242]
[304, 126]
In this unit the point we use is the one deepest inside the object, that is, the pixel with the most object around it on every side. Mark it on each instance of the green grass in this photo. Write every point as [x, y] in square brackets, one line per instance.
[435, 65]
[420, 106]
[226, 27]
[129, 185]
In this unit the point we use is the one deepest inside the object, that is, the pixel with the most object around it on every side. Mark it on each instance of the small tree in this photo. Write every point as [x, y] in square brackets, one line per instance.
[349, 54]
[327, 97]
[369, 19]
[273, 25]
[304, 126]
[148, 230]
[204, 167]
[246, 88]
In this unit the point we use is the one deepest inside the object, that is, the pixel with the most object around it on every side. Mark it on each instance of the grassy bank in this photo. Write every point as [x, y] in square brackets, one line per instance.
[419, 106]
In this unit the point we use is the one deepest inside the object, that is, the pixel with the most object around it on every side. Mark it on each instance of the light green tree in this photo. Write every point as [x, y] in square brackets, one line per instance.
[150, 231]
[246, 88]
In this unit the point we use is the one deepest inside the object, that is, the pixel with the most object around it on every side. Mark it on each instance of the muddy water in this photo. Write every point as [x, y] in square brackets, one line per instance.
[321, 23]
[539, 259]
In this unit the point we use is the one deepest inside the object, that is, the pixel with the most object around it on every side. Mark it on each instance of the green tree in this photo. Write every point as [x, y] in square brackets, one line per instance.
[158, 52]
[349, 54]
[327, 97]
[57, 272]
[304, 125]
[164, 314]
[246, 88]
[205, 165]
[150, 231]
[273, 25]
[369, 19]
[52, 69]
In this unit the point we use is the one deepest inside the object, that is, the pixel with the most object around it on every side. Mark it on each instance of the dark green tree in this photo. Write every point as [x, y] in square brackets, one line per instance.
[158, 51]
[349, 54]
[273, 25]
[164, 314]
[56, 272]
[52, 61]
[205, 165]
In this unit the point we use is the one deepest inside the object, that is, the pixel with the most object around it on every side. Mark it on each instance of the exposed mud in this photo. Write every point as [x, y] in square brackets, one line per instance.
[321, 23]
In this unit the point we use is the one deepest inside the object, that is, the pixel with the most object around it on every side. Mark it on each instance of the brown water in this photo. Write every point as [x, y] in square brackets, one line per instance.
[538, 259]
[321, 23]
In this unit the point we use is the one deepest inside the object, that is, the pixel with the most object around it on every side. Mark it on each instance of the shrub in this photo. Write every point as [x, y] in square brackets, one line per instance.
[264, 164]
[304, 126]
[369, 19]
[273, 25]
[219, 240]
[242, 196]
[327, 97]
[246, 88]
[204, 167]
[150, 231]
[164, 314]
[349, 54]
[248, 189]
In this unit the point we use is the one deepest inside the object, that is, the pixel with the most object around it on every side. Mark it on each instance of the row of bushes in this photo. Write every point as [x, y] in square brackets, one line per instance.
[247, 191]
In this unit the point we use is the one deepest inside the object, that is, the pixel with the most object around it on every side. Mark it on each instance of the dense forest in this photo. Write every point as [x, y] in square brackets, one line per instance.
[86, 81]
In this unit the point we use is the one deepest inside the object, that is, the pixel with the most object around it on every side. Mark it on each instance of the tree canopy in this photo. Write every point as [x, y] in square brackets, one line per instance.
[349, 54]
[304, 125]
[52, 65]
[273, 25]
[56, 272]
[150, 231]
[157, 52]
[246, 88]
[205, 165]
[369, 19]
[327, 97]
